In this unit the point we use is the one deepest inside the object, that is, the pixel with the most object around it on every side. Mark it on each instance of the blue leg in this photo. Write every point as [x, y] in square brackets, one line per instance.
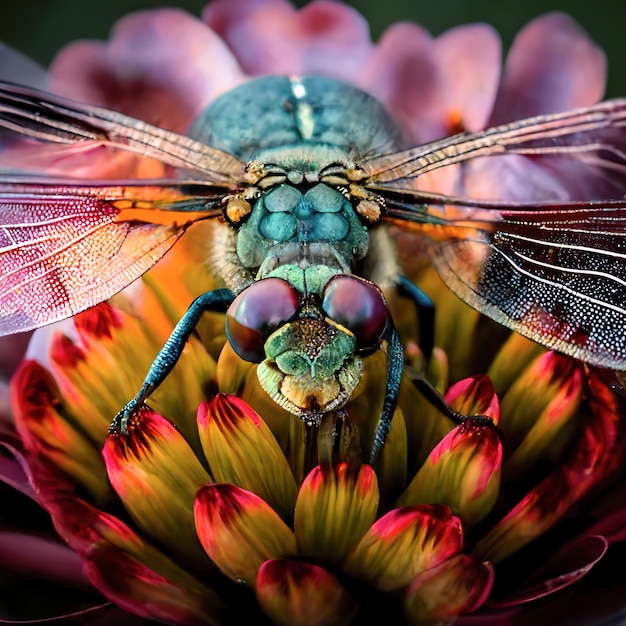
[425, 313]
[218, 301]
[395, 365]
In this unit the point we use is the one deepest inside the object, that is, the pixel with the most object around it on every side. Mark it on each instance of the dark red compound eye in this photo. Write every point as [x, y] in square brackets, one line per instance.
[257, 312]
[358, 305]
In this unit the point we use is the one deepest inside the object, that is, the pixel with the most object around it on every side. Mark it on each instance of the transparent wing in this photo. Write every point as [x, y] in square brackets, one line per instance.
[64, 248]
[54, 123]
[89, 200]
[555, 271]
[593, 138]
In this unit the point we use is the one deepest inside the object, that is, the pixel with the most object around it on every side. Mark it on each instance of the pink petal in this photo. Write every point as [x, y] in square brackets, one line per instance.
[404, 75]
[42, 557]
[272, 37]
[14, 470]
[471, 58]
[161, 66]
[552, 66]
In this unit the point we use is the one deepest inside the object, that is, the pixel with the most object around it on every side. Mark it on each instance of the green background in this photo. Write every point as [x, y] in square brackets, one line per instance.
[40, 27]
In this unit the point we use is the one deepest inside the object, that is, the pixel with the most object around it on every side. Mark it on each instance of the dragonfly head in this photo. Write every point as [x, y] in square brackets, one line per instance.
[309, 346]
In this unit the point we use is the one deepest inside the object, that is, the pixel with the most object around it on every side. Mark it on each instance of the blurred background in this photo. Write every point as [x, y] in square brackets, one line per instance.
[40, 27]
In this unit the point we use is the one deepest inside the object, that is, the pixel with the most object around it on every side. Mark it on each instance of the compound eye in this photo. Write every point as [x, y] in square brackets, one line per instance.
[358, 305]
[256, 313]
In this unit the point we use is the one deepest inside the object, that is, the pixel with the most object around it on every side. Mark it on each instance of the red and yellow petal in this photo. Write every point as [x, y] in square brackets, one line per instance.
[404, 543]
[541, 412]
[240, 449]
[335, 507]
[462, 471]
[130, 571]
[49, 436]
[474, 396]
[294, 593]
[439, 595]
[156, 474]
[595, 454]
[239, 531]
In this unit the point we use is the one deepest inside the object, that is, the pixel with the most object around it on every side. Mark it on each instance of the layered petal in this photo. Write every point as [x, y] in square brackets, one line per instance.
[462, 471]
[156, 474]
[130, 571]
[273, 37]
[404, 543]
[239, 531]
[440, 594]
[335, 507]
[594, 455]
[541, 410]
[240, 449]
[50, 439]
[162, 66]
[294, 593]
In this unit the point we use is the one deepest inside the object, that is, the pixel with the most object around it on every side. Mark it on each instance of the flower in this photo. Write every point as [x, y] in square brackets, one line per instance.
[218, 504]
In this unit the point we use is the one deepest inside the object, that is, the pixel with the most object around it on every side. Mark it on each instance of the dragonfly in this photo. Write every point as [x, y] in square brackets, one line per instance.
[304, 175]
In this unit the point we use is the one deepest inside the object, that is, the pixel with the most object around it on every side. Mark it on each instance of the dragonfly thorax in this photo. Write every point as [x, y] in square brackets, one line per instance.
[281, 111]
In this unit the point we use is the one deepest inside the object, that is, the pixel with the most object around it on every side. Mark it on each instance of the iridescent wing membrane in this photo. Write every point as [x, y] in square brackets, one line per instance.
[67, 243]
[552, 269]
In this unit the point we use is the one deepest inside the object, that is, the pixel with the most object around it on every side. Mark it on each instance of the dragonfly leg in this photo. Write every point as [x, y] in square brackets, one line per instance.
[217, 300]
[425, 313]
[395, 364]
[431, 394]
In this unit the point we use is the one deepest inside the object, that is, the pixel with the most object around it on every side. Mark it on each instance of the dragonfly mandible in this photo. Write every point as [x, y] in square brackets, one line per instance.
[305, 172]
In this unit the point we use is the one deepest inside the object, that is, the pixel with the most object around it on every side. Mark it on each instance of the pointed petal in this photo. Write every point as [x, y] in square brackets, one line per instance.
[595, 454]
[540, 412]
[40, 419]
[239, 531]
[404, 543]
[156, 475]
[294, 593]
[240, 449]
[462, 471]
[335, 507]
[515, 355]
[439, 595]
[131, 572]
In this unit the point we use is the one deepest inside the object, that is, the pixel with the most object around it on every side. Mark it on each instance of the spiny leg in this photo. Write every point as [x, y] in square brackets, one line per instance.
[395, 364]
[217, 301]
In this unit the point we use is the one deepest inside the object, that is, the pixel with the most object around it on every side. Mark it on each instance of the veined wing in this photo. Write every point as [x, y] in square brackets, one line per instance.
[555, 274]
[53, 120]
[593, 136]
[67, 246]
[555, 270]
